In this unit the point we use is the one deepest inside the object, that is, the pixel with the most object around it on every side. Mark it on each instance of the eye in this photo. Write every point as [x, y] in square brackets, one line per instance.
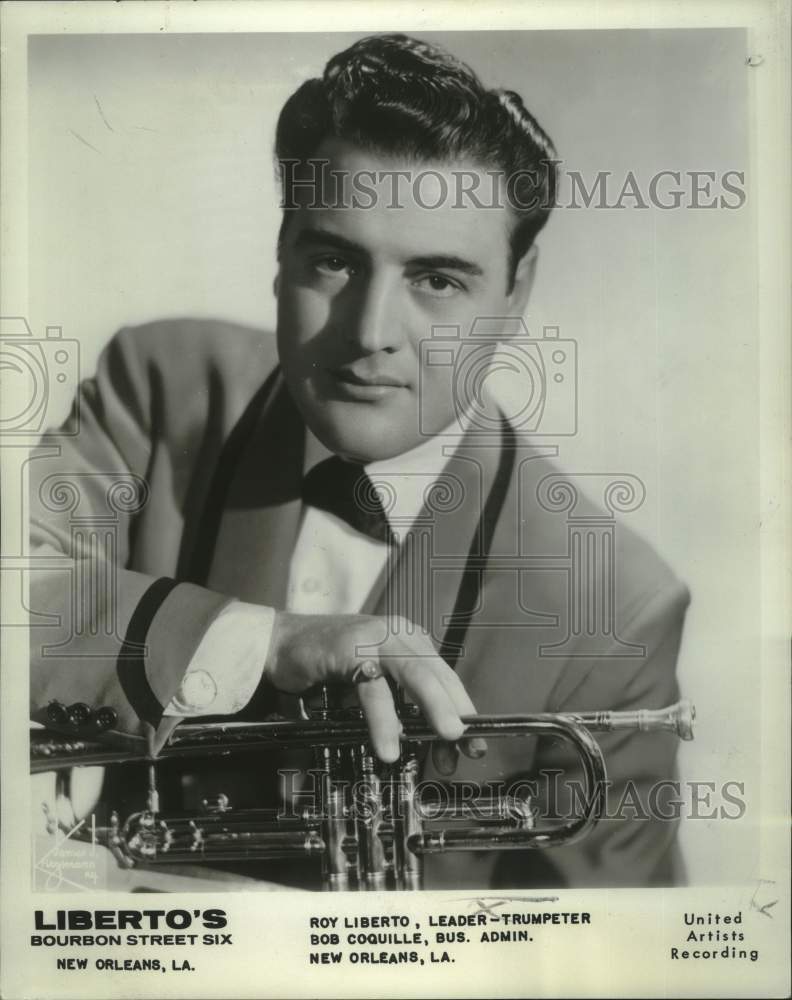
[333, 265]
[438, 285]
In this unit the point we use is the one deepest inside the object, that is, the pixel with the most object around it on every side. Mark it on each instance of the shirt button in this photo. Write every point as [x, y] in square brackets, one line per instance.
[310, 585]
[198, 690]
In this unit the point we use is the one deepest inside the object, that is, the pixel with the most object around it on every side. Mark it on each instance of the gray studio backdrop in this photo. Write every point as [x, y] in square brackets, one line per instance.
[152, 194]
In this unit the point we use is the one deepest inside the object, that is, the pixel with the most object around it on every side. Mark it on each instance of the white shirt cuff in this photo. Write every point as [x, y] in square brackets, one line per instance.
[226, 667]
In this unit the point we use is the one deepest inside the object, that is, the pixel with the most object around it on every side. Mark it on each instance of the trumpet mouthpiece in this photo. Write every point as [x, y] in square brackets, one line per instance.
[685, 715]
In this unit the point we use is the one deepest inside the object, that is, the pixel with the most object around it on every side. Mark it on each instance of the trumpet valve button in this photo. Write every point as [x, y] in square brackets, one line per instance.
[105, 718]
[57, 714]
[79, 714]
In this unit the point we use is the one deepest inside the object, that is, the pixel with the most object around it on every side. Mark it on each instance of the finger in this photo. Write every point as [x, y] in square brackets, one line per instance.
[430, 695]
[426, 656]
[476, 746]
[445, 757]
[383, 723]
[453, 685]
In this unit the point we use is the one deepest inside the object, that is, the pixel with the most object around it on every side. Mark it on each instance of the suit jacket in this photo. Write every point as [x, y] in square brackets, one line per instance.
[176, 489]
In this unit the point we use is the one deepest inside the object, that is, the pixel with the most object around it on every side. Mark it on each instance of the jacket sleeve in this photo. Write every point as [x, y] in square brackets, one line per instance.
[103, 634]
[634, 844]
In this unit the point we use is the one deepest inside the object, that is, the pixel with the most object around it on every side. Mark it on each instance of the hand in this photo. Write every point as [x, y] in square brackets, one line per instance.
[315, 649]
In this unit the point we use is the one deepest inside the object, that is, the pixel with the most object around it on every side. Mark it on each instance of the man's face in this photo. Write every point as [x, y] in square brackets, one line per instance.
[359, 290]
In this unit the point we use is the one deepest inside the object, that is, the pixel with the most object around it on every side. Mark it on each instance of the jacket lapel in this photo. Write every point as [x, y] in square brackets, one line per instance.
[260, 509]
[434, 578]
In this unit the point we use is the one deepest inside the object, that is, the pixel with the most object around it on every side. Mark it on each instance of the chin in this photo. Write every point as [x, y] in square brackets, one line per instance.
[364, 448]
[358, 436]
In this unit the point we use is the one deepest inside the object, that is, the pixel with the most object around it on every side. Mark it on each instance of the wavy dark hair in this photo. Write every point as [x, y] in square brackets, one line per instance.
[397, 95]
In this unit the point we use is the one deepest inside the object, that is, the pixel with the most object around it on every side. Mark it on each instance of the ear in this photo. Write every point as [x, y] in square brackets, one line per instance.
[276, 284]
[523, 282]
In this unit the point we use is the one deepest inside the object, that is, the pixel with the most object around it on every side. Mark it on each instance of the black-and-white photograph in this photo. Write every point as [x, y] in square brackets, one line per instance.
[384, 438]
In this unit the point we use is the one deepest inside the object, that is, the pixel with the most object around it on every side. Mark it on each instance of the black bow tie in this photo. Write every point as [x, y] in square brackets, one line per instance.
[343, 488]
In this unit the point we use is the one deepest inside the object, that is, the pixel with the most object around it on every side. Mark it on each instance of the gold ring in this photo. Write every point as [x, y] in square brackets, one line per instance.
[366, 670]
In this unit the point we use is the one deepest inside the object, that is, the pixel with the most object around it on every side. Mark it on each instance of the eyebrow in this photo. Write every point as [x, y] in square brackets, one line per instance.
[450, 262]
[319, 237]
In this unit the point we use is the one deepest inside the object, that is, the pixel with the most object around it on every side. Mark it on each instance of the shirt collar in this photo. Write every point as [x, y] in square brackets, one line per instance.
[408, 475]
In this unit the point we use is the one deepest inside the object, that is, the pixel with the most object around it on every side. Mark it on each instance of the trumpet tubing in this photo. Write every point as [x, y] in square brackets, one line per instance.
[379, 839]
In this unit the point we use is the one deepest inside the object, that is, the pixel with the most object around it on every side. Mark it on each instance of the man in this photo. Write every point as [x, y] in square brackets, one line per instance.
[250, 558]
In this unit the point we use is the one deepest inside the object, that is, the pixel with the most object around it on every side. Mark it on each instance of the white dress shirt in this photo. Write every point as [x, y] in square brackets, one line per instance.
[332, 571]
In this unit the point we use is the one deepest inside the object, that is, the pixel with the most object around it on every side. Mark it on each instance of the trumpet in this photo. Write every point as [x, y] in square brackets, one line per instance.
[370, 826]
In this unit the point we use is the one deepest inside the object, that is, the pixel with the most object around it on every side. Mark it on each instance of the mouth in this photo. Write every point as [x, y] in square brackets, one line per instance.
[351, 377]
[365, 386]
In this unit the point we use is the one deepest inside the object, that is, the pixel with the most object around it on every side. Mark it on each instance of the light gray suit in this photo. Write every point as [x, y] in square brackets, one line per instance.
[195, 416]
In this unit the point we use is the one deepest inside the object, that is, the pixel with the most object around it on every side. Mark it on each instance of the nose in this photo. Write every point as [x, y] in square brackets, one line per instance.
[373, 319]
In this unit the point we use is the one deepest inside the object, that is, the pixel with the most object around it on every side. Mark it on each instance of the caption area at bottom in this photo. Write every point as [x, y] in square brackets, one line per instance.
[399, 940]
[101, 939]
